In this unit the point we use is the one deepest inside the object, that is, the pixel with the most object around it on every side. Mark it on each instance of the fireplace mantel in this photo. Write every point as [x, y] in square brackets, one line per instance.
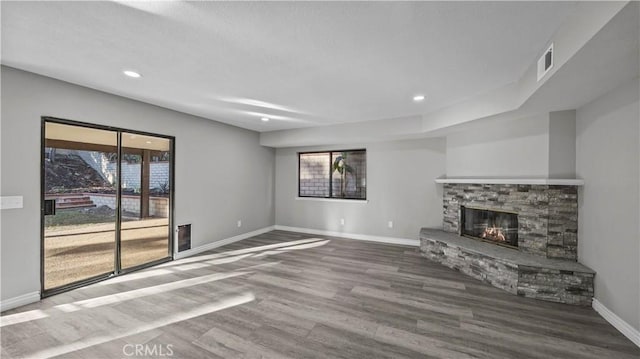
[524, 181]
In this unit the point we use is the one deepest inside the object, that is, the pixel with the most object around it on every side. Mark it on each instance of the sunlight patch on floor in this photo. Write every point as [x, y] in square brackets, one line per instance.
[157, 289]
[22, 317]
[31, 315]
[135, 276]
[171, 319]
[236, 252]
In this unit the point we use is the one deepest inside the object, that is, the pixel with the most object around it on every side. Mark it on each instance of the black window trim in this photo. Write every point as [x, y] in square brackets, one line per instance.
[330, 152]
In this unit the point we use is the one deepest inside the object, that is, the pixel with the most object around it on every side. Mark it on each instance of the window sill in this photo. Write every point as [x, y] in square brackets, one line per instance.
[359, 201]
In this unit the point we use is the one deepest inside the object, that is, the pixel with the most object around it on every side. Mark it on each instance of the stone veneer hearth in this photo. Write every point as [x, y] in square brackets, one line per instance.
[544, 264]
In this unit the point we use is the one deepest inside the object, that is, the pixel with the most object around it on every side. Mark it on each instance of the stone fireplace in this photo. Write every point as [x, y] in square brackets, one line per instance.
[547, 214]
[518, 235]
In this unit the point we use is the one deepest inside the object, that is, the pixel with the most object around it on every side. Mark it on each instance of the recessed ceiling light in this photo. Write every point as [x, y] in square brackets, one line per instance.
[148, 142]
[133, 74]
[418, 98]
[265, 119]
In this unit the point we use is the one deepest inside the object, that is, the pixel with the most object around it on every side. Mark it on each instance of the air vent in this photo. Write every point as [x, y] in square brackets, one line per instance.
[545, 63]
[184, 237]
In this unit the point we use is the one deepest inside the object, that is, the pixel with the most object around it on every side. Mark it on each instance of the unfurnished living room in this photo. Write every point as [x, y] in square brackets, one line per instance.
[197, 179]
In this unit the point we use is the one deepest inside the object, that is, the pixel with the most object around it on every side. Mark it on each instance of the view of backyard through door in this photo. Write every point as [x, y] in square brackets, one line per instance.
[145, 199]
[92, 230]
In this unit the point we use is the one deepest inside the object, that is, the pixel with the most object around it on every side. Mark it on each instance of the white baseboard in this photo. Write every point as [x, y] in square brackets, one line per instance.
[362, 237]
[19, 301]
[630, 332]
[222, 242]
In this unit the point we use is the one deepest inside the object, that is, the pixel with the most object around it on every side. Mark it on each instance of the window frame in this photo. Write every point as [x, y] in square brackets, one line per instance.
[330, 164]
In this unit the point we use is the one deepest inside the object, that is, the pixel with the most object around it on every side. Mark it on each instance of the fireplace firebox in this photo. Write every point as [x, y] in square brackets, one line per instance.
[488, 225]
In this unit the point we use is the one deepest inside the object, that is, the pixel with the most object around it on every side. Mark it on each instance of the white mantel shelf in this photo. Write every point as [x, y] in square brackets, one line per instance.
[531, 181]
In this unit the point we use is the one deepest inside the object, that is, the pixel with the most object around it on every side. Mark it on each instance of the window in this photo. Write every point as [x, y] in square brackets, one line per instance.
[336, 174]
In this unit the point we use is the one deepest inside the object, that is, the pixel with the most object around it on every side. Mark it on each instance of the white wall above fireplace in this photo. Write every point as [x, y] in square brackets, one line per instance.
[535, 147]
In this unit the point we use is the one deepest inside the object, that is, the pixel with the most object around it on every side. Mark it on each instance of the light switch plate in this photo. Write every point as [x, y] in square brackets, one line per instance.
[10, 202]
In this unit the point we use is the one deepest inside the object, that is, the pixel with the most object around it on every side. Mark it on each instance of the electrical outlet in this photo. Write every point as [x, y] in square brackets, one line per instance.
[239, 223]
[342, 221]
[390, 224]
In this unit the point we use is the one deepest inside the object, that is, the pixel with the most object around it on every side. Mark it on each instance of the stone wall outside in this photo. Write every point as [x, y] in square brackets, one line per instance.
[130, 171]
[314, 175]
[158, 206]
[131, 174]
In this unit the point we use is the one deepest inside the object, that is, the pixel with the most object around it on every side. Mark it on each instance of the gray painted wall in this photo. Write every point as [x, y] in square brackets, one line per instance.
[400, 188]
[222, 172]
[501, 148]
[562, 144]
[607, 152]
[538, 146]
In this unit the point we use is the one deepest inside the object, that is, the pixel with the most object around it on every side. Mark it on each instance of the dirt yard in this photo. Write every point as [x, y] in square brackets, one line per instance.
[74, 253]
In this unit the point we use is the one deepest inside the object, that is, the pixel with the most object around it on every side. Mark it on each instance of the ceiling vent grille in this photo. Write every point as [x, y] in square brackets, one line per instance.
[545, 63]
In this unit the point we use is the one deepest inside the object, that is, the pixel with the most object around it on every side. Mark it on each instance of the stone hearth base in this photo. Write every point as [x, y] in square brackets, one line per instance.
[508, 269]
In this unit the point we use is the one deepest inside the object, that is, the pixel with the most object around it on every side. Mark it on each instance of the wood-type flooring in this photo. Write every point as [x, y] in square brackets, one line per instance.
[292, 295]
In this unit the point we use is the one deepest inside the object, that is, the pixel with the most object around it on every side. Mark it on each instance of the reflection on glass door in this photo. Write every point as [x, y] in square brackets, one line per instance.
[106, 203]
[80, 213]
[146, 184]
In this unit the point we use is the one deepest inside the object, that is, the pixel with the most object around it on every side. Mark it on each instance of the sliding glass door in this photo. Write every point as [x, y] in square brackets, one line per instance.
[145, 199]
[106, 202]
[79, 231]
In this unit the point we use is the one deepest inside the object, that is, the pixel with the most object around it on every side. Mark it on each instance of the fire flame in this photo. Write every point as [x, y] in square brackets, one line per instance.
[494, 234]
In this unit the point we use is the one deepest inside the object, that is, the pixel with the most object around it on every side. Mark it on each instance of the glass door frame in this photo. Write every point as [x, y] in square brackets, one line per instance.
[118, 220]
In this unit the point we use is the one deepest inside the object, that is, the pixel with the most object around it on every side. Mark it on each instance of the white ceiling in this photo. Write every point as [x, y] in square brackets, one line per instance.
[302, 64]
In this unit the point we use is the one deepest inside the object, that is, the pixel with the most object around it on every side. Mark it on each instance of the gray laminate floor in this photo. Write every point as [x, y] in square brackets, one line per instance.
[284, 294]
